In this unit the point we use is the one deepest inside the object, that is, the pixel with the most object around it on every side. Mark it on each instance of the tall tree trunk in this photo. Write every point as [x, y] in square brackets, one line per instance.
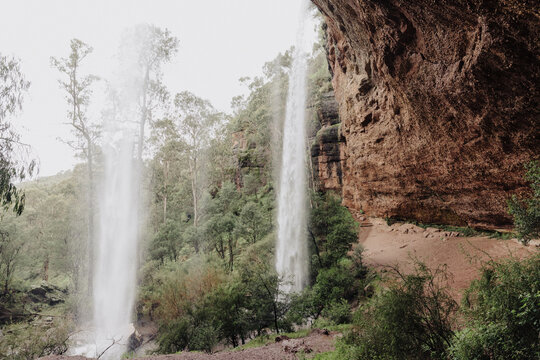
[193, 170]
[166, 176]
[45, 271]
[231, 252]
[144, 115]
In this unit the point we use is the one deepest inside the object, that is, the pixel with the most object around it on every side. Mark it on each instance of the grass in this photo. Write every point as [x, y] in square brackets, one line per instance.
[263, 340]
[330, 355]
[269, 339]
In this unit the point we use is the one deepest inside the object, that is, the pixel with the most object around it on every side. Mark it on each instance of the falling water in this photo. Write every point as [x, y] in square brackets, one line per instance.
[291, 250]
[115, 268]
[115, 271]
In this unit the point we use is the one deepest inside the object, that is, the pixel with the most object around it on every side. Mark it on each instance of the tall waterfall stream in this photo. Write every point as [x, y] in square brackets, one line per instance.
[291, 249]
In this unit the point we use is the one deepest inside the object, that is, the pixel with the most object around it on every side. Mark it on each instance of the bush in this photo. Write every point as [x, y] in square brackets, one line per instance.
[332, 230]
[503, 309]
[412, 319]
[526, 211]
[25, 341]
[173, 336]
[338, 312]
[483, 342]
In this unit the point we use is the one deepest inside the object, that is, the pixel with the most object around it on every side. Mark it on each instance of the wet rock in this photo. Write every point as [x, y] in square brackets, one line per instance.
[46, 293]
[135, 340]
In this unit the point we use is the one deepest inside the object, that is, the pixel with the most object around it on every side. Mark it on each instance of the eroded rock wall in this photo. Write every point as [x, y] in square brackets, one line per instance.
[439, 105]
[328, 147]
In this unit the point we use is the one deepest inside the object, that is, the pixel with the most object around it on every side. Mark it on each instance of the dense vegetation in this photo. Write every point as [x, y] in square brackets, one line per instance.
[413, 317]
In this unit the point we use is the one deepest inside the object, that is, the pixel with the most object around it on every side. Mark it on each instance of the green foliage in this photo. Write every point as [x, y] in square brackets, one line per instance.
[13, 86]
[503, 309]
[338, 312]
[167, 241]
[336, 266]
[526, 211]
[50, 234]
[34, 340]
[332, 229]
[197, 304]
[412, 319]
[9, 255]
[484, 342]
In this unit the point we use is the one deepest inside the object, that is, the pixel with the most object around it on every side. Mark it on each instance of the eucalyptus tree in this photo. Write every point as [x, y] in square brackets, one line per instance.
[143, 51]
[9, 254]
[13, 166]
[197, 123]
[78, 89]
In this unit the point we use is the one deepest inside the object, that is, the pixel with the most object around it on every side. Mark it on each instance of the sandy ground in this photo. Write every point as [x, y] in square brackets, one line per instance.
[385, 246]
[400, 243]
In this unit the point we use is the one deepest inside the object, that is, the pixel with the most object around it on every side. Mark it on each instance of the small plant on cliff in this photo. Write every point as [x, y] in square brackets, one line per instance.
[526, 211]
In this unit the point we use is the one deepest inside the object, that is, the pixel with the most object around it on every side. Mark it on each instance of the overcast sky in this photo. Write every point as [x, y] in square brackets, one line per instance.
[220, 41]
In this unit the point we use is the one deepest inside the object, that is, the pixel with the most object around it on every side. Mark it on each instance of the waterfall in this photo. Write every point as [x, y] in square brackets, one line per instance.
[116, 261]
[291, 249]
[115, 270]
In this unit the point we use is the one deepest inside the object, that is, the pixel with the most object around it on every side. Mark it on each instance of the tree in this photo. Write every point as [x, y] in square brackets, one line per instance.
[196, 122]
[166, 165]
[526, 211]
[13, 86]
[254, 221]
[9, 253]
[151, 47]
[79, 90]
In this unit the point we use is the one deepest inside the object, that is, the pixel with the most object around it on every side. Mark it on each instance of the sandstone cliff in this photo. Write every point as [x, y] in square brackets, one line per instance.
[328, 147]
[439, 105]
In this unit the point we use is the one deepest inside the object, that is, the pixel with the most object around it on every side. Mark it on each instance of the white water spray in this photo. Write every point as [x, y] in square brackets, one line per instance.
[291, 249]
[115, 271]
[116, 262]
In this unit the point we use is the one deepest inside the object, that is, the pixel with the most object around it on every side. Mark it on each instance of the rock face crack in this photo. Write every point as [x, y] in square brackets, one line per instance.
[443, 94]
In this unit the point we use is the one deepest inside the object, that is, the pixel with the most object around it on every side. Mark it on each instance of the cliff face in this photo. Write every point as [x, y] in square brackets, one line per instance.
[328, 147]
[439, 103]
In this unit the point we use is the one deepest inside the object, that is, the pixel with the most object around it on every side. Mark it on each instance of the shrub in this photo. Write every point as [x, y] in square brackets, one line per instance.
[526, 211]
[503, 309]
[412, 319]
[338, 312]
[33, 340]
[483, 342]
[332, 230]
[173, 336]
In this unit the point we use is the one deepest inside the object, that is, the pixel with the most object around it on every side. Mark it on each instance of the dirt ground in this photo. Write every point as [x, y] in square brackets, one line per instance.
[288, 349]
[463, 256]
[385, 246]
[317, 342]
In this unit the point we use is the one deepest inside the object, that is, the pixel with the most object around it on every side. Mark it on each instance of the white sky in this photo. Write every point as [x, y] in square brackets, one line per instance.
[220, 41]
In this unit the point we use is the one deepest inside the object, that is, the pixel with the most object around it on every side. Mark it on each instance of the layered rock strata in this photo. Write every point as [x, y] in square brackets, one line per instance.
[328, 147]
